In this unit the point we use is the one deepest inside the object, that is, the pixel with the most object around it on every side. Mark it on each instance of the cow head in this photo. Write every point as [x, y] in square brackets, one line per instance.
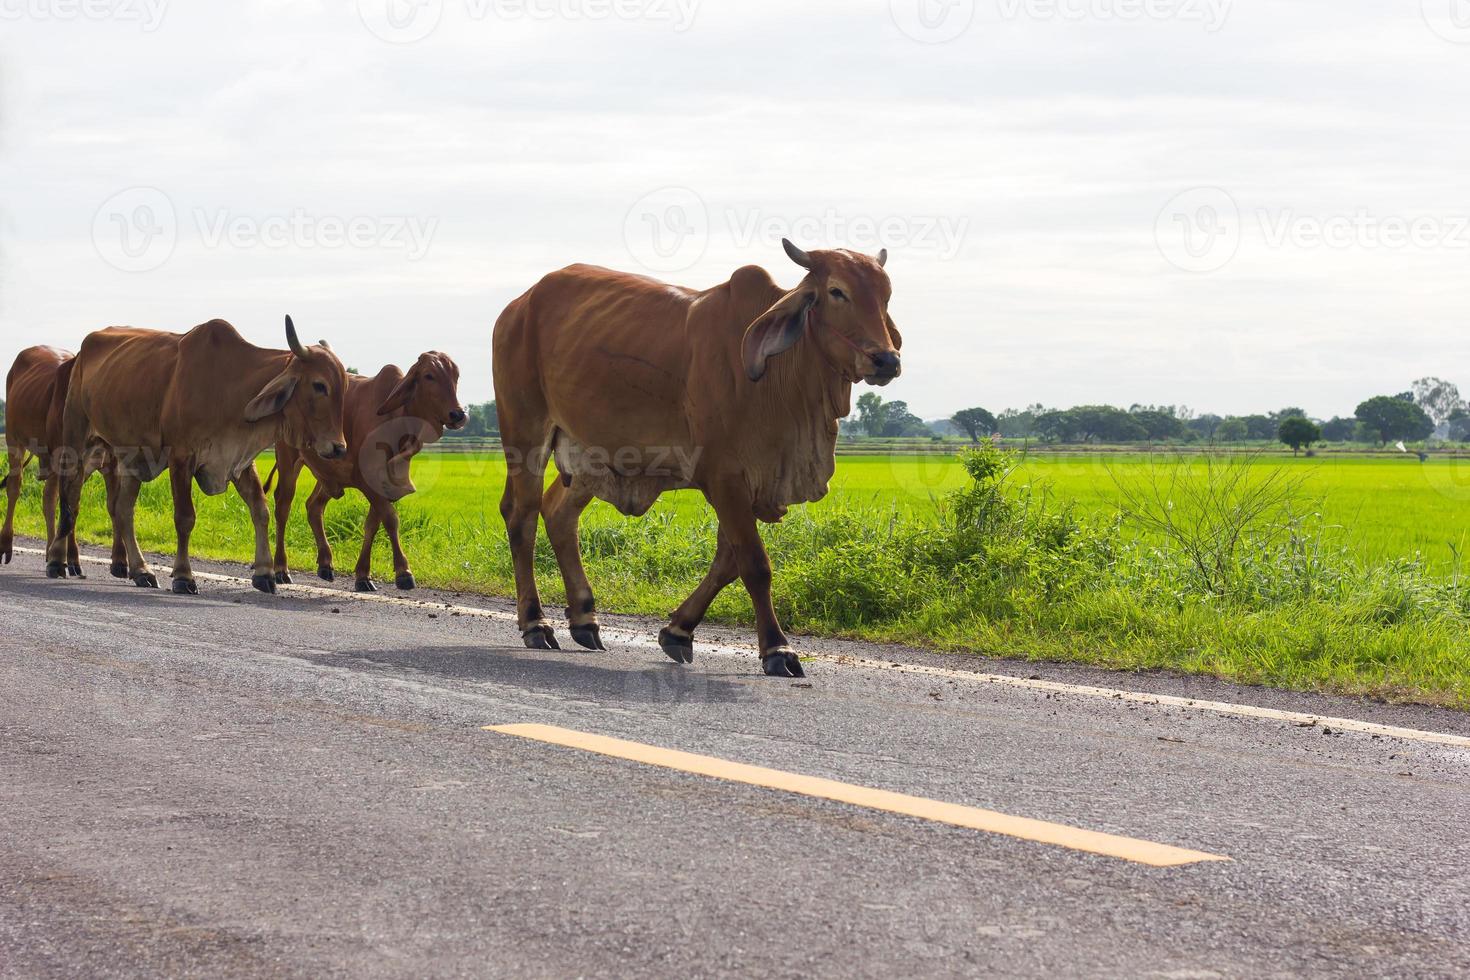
[430, 391]
[843, 305]
[309, 396]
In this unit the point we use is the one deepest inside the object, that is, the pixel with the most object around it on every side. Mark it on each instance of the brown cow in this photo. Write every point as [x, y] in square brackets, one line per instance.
[201, 405]
[388, 420]
[635, 387]
[35, 397]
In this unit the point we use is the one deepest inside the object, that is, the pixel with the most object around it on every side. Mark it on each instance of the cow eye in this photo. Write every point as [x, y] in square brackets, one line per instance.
[837, 293]
[429, 378]
[318, 387]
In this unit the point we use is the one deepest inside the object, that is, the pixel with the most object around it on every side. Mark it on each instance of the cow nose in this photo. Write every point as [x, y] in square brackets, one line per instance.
[887, 363]
[456, 417]
[338, 450]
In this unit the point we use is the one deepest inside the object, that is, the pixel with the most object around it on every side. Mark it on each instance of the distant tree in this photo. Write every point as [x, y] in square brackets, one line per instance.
[900, 423]
[1393, 418]
[2, 416]
[1205, 425]
[1233, 429]
[1297, 431]
[1260, 427]
[974, 422]
[1457, 426]
[1158, 424]
[1339, 429]
[872, 414]
[1439, 398]
[1019, 423]
[1104, 423]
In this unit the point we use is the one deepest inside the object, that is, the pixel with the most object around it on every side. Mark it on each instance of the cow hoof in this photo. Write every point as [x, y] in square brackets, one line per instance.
[326, 573]
[405, 582]
[185, 586]
[54, 569]
[264, 583]
[7, 552]
[364, 585]
[680, 649]
[541, 638]
[75, 570]
[119, 569]
[782, 662]
[283, 578]
[588, 637]
[145, 580]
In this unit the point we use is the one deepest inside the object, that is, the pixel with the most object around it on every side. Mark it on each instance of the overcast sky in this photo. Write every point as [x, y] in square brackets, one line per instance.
[1232, 206]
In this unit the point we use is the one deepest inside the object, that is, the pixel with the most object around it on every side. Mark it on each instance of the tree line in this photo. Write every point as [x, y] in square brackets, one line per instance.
[1432, 408]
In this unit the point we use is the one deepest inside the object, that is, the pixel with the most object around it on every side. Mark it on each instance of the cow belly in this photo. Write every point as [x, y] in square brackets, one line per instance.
[632, 480]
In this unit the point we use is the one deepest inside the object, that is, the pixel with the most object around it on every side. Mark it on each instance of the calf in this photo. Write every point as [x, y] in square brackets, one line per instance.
[388, 420]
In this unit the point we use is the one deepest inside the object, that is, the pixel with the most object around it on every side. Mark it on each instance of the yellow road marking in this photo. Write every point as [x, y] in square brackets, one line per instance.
[1039, 831]
[644, 641]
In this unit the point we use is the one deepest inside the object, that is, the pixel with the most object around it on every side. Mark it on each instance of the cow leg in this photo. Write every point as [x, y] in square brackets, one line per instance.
[737, 521]
[128, 486]
[17, 464]
[181, 481]
[561, 508]
[119, 550]
[316, 507]
[521, 507]
[288, 472]
[677, 639]
[364, 571]
[402, 574]
[247, 484]
[50, 498]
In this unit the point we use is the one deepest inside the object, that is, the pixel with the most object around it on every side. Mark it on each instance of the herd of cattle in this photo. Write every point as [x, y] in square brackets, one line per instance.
[628, 386]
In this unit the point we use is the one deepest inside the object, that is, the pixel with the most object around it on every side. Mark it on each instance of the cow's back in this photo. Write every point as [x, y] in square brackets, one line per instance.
[29, 391]
[603, 355]
[119, 384]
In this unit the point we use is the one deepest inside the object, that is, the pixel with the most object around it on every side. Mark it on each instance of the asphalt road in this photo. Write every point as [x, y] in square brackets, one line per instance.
[302, 785]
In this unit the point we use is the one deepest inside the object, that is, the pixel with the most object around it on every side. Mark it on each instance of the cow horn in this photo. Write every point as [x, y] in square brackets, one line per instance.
[797, 255]
[883, 258]
[293, 340]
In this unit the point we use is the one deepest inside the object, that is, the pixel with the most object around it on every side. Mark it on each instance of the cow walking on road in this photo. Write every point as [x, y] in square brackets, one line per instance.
[203, 406]
[389, 419]
[35, 397]
[635, 387]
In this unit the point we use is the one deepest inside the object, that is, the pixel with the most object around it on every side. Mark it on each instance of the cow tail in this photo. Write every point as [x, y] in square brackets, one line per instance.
[272, 478]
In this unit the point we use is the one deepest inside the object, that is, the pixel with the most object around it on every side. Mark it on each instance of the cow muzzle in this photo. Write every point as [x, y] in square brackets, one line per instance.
[334, 450]
[886, 366]
[457, 419]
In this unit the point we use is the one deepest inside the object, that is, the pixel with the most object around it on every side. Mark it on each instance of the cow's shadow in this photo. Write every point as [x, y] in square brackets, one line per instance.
[572, 673]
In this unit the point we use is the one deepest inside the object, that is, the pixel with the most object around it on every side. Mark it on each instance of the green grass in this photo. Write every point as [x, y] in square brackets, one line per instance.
[1351, 586]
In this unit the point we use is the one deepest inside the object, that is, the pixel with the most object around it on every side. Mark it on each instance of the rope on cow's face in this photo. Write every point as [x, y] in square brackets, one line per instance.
[811, 315]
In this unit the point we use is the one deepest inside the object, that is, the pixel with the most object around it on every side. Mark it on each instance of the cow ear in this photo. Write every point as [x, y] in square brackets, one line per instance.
[399, 396]
[272, 398]
[777, 330]
[893, 332]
